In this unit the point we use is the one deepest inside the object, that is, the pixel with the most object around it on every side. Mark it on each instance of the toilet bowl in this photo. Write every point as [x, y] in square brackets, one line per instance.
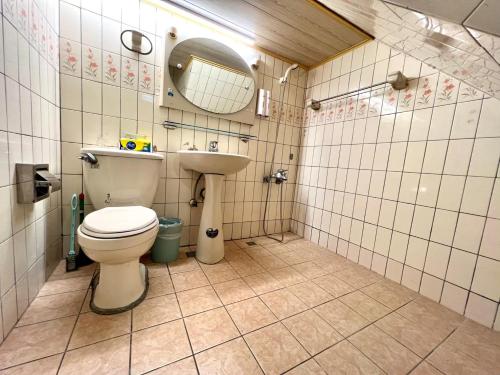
[116, 237]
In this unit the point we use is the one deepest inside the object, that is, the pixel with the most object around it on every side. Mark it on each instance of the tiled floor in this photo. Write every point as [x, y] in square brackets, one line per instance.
[269, 308]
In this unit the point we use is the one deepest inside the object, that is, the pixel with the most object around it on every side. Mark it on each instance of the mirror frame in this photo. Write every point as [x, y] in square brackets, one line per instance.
[178, 101]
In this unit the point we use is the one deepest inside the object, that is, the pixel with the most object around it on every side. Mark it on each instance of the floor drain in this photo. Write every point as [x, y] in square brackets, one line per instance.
[191, 254]
[251, 243]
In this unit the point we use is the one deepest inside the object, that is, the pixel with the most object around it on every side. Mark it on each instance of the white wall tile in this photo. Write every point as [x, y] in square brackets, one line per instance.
[461, 268]
[477, 195]
[490, 244]
[469, 232]
[480, 309]
[487, 278]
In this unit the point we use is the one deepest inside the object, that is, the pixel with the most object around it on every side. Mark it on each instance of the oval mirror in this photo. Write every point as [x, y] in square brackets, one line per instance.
[211, 75]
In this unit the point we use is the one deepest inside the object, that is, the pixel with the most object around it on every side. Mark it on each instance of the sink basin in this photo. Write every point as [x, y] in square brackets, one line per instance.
[213, 162]
[214, 165]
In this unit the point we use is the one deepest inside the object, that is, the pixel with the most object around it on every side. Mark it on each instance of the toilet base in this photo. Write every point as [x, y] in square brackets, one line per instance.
[143, 274]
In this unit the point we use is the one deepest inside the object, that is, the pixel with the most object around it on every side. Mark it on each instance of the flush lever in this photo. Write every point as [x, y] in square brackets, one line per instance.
[88, 157]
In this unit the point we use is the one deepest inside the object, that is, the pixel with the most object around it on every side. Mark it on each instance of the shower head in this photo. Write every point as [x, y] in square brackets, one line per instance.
[284, 79]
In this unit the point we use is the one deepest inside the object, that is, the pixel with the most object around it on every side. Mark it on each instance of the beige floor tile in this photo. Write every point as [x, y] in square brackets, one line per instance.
[220, 272]
[45, 366]
[383, 350]
[245, 267]
[197, 300]
[309, 367]
[36, 341]
[65, 285]
[389, 293]
[230, 358]
[250, 314]
[344, 358]
[276, 349]
[91, 328]
[155, 311]
[262, 283]
[333, 285]
[183, 265]
[341, 317]
[471, 349]
[60, 273]
[364, 305]
[331, 263]
[432, 315]
[417, 337]
[86, 303]
[310, 293]
[183, 367]
[210, 328]
[158, 346]
[287, 276]
[53, 307]
[233, 291]
[312, 332]
[310, 270]
[107, 357]
[256, 252]
[159, 286]
[283, 303]
[358, 276]
[425, 369]
[157, 270]
[271, 262]
[291, 257]
[189, 280]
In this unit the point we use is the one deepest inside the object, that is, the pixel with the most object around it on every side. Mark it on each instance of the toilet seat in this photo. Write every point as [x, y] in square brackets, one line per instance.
[119, 222]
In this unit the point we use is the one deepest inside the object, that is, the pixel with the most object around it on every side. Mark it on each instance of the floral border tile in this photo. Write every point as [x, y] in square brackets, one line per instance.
[467, 93]
[146, 78]
[447, 90]
[22, 17]
[129, 73]
[406, 99]
[91, 63]
[70, 54]
[426, 91]
[111, 68]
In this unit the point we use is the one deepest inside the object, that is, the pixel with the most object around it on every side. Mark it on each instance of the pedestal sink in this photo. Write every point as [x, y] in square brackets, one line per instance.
[214, 165]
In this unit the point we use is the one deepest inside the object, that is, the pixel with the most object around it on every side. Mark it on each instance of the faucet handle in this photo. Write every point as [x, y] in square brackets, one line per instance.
[213, 146]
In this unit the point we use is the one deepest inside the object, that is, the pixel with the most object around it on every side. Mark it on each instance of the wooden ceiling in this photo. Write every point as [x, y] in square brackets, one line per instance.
[302, 31]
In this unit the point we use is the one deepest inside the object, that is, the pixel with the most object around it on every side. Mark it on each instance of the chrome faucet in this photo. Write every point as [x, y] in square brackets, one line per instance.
[213, 146]
[190, 148]
[279, 177]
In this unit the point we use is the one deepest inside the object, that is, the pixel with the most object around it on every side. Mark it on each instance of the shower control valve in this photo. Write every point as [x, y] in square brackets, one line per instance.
[281, 176]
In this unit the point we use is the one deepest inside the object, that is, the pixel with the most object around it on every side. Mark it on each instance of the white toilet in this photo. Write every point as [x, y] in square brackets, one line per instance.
[121, 186]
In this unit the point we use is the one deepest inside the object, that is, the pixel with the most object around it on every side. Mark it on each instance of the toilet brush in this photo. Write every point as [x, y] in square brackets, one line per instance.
[71, 258]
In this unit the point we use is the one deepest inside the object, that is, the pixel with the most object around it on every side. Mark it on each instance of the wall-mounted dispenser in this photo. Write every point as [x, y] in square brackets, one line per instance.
[263, 98]
[34, 182]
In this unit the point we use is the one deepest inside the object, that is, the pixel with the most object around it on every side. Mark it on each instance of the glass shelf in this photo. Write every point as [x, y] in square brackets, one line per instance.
[175, 125]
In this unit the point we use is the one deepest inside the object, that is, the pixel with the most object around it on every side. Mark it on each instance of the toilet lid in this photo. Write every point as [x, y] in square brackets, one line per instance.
[119, 221]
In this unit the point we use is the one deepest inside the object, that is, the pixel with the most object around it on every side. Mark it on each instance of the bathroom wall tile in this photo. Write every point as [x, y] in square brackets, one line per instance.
[480, 309]
[461, 268]
[485, 282]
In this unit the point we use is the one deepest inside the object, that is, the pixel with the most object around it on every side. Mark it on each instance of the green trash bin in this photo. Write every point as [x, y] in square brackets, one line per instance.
[166, 246]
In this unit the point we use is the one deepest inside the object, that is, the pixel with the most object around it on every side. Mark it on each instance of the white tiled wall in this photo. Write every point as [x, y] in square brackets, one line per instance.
[30, 234]
[405, 183]
[106, 89]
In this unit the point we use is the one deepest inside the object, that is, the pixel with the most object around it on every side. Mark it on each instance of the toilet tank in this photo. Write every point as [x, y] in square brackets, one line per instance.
[120, 177]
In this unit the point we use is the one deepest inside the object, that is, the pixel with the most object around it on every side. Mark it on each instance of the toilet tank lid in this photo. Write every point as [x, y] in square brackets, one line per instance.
[113, 151]
[119, 219]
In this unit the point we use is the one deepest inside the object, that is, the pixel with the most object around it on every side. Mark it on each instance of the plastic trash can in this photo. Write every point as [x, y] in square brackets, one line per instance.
[166, 246]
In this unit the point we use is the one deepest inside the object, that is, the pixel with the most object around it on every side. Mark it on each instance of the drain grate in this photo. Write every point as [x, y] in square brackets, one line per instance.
[191, 254]
[251, 243]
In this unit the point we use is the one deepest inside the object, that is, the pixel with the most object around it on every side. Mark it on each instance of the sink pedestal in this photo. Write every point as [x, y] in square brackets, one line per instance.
[210, 247]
